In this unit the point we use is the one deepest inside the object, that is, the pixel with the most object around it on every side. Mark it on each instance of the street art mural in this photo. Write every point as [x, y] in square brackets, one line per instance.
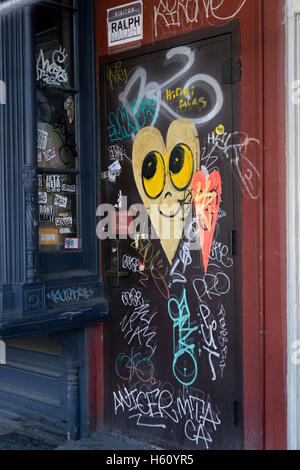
[174, 332]
[163, 174]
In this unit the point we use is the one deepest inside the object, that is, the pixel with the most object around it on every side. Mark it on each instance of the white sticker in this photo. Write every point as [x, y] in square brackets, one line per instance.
[40, 181]
[112, 176]
[115, 166]
[60, 201]
[48, 237]
[63, 222]
[46, 214]
[43, 198]
[53, 183]
[71, 243]
[68, 188]
[49, 154]
[42, 139]
[125, 23]
[39, 156]
[65, 230]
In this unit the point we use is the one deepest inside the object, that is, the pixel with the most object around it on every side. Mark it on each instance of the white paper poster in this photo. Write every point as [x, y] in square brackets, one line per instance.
[125, 23]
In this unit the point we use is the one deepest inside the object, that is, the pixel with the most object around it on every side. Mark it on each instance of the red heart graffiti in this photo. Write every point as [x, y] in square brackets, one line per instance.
[206, 191]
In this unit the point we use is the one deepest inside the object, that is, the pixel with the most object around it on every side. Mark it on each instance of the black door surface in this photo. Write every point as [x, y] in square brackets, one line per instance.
[170, 125]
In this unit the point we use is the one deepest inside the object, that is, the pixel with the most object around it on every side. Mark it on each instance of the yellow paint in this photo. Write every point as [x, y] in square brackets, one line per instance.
[220, 129]
[48, 236]
[164, 196]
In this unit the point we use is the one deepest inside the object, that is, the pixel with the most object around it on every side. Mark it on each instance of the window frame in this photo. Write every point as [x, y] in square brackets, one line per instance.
[74, 263]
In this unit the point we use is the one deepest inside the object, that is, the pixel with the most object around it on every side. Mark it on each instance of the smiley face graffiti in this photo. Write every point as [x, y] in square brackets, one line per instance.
[163, 175]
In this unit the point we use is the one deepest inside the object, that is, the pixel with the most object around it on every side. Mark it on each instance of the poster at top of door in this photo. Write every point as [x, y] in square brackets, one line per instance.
[125, 23]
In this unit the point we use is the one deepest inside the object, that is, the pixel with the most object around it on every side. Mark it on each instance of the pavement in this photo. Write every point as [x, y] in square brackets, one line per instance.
[101, 440]
[30, 436]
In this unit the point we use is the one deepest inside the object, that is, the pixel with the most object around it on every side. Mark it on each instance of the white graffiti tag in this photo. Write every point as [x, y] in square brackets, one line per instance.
[234, 148]
[152, 408]
[52, 72]
[178, 13]
[154, 91]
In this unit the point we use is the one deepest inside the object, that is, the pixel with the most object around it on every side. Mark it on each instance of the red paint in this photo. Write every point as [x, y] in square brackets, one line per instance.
[274, 225]
[263, 220]
[207, 197]
[96, 378]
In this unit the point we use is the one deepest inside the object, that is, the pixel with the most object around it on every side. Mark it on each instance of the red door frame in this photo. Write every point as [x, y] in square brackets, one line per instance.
[263, 103]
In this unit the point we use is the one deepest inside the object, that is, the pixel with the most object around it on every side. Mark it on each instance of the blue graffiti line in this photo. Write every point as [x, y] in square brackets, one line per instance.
[185, 366]
[121, 126]
[71, 294]
[126, 366]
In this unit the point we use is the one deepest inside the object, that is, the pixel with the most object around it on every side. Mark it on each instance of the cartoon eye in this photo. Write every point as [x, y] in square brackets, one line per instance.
[153, 174]
[181, 166]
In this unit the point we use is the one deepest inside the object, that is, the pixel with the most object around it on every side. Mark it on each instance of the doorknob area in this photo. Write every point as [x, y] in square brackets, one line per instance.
[115, 272]
[118, 274]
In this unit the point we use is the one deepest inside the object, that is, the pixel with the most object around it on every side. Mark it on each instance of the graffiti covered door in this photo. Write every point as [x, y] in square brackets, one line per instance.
[170, 179]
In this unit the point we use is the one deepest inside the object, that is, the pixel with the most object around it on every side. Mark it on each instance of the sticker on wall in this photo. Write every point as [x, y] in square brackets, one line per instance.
[69, 106]
[46, 214]
[48, 236]
[42, 139]
[125, 23]
[40, 181]
[71, 243]
[115, 166]
[63, 222]
[49, 154]
[68, 188]
[43, 198]
[64, 230]
[60, 201]
[53, 183]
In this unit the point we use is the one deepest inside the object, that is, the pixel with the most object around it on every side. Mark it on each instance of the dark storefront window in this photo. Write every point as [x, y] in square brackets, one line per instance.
[65, 160]
[57, 155]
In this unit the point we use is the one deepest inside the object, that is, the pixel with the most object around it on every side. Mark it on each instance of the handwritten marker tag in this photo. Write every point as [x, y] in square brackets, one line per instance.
[206, 191]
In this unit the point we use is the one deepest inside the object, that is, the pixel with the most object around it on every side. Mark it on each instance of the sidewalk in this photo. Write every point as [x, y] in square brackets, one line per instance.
[101, 440]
